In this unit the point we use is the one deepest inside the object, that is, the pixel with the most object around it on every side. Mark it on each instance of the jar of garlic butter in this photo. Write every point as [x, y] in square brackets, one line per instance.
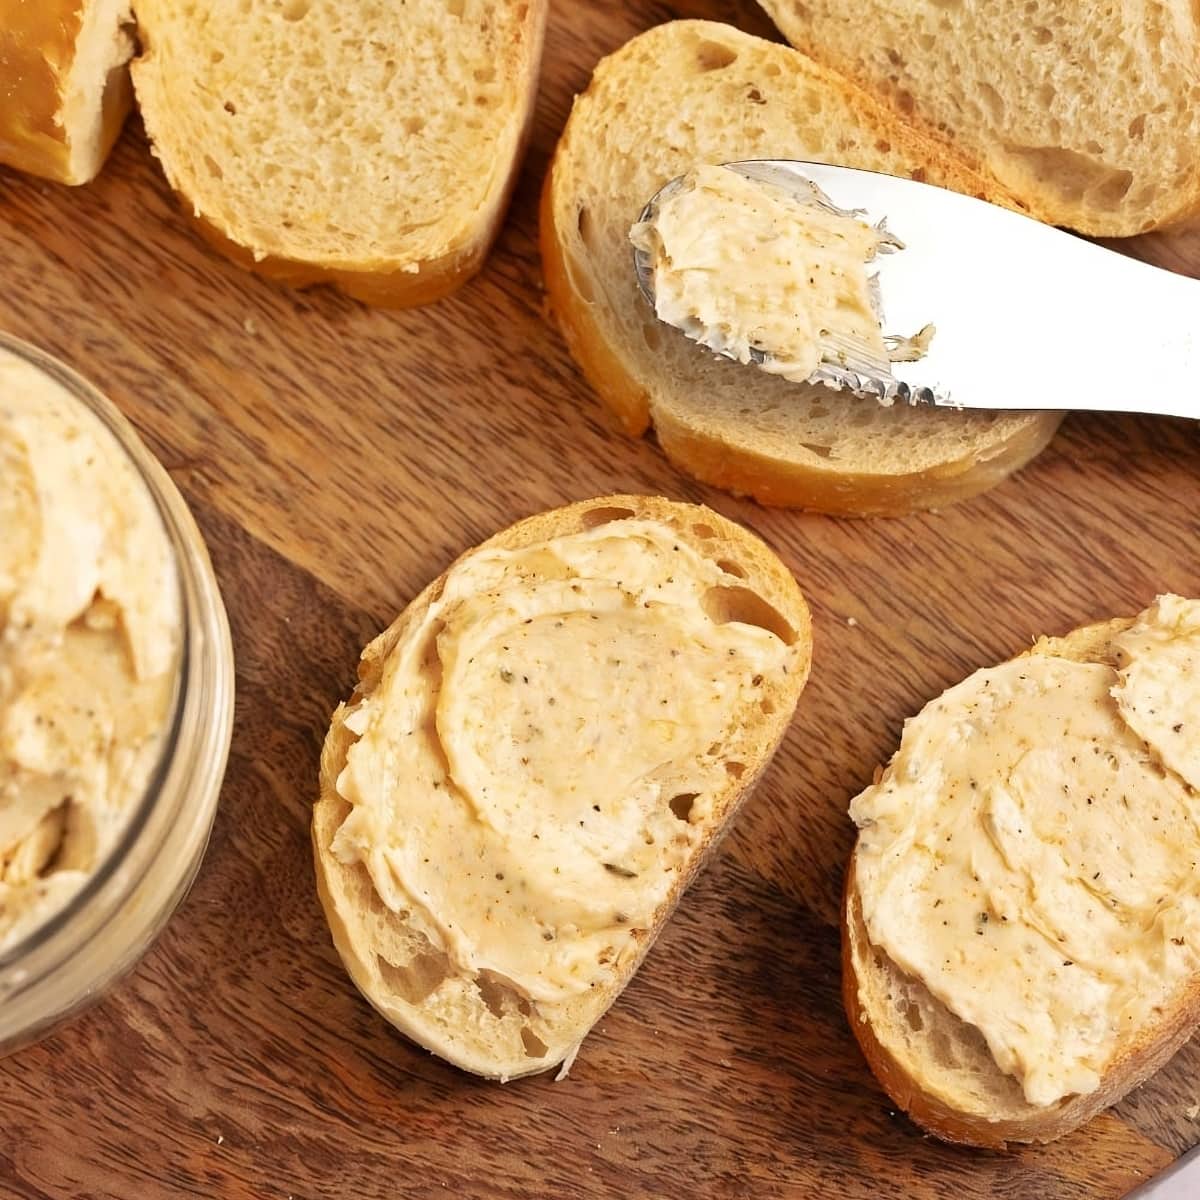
[116, 694]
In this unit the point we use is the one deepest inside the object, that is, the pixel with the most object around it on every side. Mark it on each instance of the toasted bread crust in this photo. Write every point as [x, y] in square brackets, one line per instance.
[376, 284]
[899, 1072]
[467, 1033]
[602, 366]
[781, 484]
[38, 44]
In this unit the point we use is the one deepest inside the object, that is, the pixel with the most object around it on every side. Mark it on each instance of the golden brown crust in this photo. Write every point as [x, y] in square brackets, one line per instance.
[924, 1103]
[375, 285]
[776, 483]
[559, 1027]
[601, 365]
[37, 50]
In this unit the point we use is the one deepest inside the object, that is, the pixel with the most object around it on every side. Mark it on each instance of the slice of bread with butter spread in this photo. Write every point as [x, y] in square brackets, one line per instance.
[368, 145]
[64, 84]
[1087, 113]
[1022, 918]
[691, 93]
[540, 753]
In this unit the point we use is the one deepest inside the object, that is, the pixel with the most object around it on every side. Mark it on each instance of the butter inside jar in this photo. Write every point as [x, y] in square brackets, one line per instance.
[532, 767]
[1032, 853]
[90, 635]
[747, 269]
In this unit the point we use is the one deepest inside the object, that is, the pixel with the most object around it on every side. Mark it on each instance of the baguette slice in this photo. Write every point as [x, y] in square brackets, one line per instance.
[937, 1067]
[478, 1023]
[692, 92]
[1087, 113]
[64, 85]
[368, 145]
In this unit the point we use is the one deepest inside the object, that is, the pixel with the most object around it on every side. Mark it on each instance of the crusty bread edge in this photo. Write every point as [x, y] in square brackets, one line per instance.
[744, 472]
[47, 153]
[937, 1113]
[784, 594]
[739, 469]
[378, 281]
[376, 284]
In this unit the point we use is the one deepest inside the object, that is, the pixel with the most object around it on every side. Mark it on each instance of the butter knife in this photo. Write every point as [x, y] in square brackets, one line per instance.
[1025, 315]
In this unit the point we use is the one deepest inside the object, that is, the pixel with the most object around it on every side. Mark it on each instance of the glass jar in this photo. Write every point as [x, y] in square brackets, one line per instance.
[105, 927]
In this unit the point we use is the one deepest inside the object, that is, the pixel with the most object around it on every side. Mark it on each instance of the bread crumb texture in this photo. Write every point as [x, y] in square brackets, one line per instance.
[1089, 113]
[339, 134]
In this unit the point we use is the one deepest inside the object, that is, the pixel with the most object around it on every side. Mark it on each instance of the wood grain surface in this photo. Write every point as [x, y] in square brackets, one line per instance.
[337, 458]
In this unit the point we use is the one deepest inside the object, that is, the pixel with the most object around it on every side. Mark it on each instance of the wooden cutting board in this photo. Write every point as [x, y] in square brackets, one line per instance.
[337, 458]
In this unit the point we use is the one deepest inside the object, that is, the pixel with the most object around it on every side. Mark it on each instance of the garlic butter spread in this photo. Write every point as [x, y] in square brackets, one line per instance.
[1027, 856]
[515, 768]
[1159, 689]
[90, 626]
[741, 266]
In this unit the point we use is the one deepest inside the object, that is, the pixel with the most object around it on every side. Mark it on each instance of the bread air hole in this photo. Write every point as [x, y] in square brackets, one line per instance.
[723, 605]
[587, 229]
[712, 56]
[704, 531]
[731, 568]
[735, 769]
[605, 515]
[534, 1046]
[498, 994]
[1074, 176]
[681, 805]
[296, 10]
[992, 99]
[419, 978]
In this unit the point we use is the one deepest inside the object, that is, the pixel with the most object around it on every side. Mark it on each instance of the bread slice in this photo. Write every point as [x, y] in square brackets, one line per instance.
[1089, 114]
[694, 92]
[65, 84]
[937, 1067]
[368, 145]
[477, 1019]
